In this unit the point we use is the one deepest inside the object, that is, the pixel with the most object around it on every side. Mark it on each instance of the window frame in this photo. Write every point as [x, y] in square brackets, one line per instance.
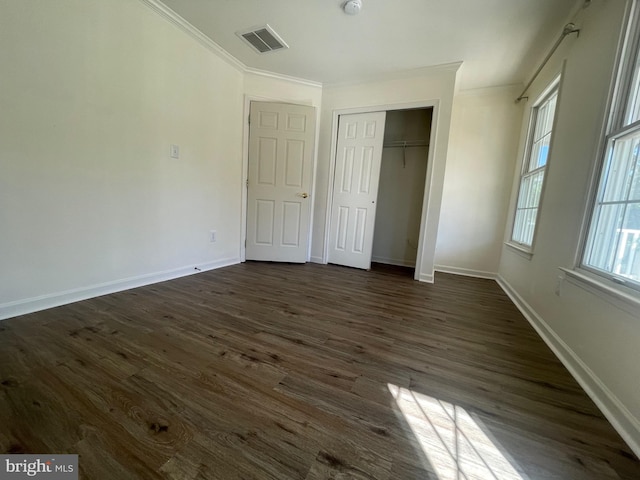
[614, 127]
[552, 88]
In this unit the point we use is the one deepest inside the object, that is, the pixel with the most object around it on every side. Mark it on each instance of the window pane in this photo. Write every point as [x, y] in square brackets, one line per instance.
[529, 225]
[527, 208]
[533, 158]
[524, 193]
[541, 120]
[551, 113]
[632, 111]
[619, 168]
[524, 226]
[531, 190]
[627, 261]
[544, 118]
[540, 153]
[518, 227]
[634, 193]
[605, 234]
[541, 139]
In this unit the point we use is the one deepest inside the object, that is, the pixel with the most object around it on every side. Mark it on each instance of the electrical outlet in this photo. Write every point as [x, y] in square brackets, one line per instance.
[175, 151]
[212, 236]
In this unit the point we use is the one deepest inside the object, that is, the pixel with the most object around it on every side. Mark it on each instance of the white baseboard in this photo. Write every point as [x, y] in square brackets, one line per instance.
[425, 277]
[467, 272]
[393, 261]
[313, 259]
[43, 302]
[625, 423]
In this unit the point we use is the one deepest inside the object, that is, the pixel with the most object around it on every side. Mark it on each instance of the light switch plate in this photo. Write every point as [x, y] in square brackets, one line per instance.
[175, 151]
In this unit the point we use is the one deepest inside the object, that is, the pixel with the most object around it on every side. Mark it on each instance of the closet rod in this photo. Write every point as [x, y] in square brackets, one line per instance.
[401, 143]
[405, 145]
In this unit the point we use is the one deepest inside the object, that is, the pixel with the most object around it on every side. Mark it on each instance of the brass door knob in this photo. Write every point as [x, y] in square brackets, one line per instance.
[303, 194]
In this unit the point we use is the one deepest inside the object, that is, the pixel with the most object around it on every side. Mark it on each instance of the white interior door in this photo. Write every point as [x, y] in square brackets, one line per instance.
[281, 143]
[355, 188]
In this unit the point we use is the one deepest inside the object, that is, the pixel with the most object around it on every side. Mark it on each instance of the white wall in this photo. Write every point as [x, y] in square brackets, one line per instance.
[93, 93]
[430, 85]
[483, 146]
[401, 188]
[597, 339]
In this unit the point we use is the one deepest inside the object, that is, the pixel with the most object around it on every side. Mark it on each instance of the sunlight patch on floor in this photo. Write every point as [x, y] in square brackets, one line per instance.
[452, 440]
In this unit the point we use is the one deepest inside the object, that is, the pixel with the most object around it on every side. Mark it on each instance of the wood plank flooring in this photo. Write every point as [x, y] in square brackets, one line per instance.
[277, 371]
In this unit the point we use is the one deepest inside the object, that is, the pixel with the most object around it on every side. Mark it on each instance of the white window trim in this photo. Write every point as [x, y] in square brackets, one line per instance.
[599, 282]
[521, 248]
[620, 296]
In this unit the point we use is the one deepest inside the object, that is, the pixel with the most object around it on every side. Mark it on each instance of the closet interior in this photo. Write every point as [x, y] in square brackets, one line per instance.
[402, 186]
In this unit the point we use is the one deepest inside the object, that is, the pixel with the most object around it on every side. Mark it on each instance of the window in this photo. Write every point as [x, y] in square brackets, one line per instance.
[534, 167]
[612, 248]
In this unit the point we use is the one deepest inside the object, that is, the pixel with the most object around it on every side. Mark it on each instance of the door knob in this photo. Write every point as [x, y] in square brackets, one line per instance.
[303, 195]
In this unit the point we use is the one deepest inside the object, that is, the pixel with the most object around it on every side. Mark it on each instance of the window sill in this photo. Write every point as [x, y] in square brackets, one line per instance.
[629, 302]
[520, 250]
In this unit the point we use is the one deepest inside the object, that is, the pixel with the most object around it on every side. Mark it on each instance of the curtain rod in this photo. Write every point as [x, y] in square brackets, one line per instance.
[568, 29]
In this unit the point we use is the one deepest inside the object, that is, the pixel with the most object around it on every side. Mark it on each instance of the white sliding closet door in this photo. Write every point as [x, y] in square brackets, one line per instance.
[355, 188]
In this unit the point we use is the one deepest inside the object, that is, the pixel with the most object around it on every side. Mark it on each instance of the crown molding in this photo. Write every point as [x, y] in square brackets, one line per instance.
[399, 74]
[175, 19]
[281, 76]
[492, 90]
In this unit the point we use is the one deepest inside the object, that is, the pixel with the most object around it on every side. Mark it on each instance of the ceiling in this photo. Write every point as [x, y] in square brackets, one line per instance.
[498, 41]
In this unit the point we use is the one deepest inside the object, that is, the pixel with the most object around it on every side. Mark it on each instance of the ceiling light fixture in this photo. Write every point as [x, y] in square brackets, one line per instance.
[352, 7]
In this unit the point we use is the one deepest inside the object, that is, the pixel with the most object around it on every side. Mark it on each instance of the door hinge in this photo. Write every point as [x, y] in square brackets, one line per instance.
[249, 120]
[247, 183]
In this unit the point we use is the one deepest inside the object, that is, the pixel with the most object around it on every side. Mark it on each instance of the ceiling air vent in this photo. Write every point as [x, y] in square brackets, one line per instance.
[263, 39]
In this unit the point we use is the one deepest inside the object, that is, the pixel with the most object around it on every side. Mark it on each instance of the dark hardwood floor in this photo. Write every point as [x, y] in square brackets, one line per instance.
[276, 371]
